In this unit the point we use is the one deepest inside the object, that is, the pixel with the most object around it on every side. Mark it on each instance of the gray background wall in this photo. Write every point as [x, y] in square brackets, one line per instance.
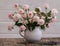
[7, 6]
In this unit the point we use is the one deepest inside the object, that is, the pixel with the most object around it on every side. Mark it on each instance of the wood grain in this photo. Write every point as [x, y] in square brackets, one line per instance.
[17, 42]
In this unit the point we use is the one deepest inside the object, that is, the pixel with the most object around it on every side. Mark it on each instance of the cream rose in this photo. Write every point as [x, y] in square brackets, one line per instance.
[54, 11]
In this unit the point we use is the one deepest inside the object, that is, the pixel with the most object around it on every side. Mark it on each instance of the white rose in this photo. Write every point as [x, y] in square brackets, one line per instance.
[54, 11]
[25, 6]
[41, 21]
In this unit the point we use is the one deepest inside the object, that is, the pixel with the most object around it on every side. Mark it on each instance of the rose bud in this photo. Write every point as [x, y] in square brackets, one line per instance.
[10, 15]
[10, 27]
[16, 6]
[46, 6]
[25, 7]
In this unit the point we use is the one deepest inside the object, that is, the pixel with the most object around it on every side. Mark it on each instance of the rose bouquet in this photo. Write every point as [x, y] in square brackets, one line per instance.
[26, 19]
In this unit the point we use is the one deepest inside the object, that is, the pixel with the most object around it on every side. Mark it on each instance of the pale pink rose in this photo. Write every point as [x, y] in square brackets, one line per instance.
[30, 14]
[54, 11]
[16, 6]
[46, 6]
[25, 6]
[10, 27]
[53, 19]
[41, 21]
[24, 15]
[10, 15]
[16, 17]
[21, 11]
[35, 18]
[22, 28]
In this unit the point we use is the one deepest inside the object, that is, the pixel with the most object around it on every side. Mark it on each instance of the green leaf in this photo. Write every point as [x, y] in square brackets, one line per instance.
[49, 14]
[43, 14]
[32, 25]
[18, 24]
[37, 10]
[35, 24]
[15, 12]
[29, 25]
[42, 27]
[20, 6]
[47, 20]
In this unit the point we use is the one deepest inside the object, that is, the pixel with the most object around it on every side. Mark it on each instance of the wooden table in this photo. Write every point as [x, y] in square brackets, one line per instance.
[22, 42]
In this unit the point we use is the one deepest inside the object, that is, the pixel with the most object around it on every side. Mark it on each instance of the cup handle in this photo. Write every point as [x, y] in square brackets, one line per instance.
[21, 34]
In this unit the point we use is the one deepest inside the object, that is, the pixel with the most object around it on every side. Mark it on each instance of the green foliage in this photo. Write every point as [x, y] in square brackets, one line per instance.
[43, 14]
[49, 13]
[32, 25]
[37, 10]
[47, 20]
[18, 24]
[42, 27]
